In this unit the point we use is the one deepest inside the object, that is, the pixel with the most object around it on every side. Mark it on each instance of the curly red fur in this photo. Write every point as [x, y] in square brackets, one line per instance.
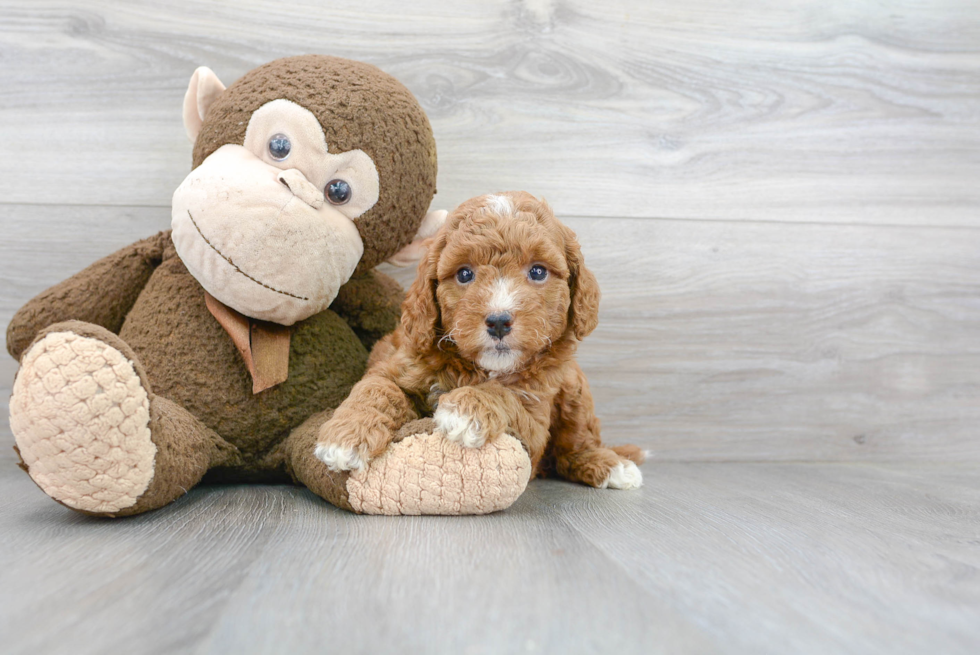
[526, 383]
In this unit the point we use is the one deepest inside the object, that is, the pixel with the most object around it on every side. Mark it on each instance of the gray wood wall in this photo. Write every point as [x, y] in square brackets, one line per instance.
[781, 200]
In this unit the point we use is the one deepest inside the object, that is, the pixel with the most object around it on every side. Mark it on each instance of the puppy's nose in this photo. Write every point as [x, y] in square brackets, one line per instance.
[498, 325]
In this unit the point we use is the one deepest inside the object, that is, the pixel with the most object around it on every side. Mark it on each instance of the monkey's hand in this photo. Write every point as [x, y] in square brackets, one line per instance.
[101, 294]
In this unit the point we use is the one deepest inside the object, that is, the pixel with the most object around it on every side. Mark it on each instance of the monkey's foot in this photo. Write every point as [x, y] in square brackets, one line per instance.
[425, 473]
[80, 414]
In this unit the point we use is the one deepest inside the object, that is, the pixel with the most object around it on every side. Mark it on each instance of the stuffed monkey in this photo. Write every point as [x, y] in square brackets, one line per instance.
[217, 349]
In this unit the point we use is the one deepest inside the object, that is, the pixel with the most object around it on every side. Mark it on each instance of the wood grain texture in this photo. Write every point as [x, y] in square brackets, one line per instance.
[801, 558]
[717, 340]
[807, 111]
[733, 558]
[808, 291]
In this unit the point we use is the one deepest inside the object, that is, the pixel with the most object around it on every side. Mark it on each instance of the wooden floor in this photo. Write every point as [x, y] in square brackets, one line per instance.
[781, 202]
[708, 557]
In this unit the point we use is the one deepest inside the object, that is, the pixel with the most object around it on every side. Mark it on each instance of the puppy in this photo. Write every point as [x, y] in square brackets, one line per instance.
[487, 341]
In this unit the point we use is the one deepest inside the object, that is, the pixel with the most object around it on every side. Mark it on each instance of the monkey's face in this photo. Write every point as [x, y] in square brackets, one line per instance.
[268, 227]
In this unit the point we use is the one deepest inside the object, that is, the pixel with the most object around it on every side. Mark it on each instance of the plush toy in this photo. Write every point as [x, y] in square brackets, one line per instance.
[222, 346]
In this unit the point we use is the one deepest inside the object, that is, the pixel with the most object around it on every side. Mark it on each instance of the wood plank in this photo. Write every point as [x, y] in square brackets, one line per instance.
[521, 581]
[757, 341]
[154, 584]
[815, 111]
[803, 558]
[734, 558]
[275, 569]
[717, 340]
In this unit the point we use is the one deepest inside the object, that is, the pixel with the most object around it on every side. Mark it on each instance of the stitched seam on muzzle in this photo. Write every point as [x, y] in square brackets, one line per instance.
[235, 266]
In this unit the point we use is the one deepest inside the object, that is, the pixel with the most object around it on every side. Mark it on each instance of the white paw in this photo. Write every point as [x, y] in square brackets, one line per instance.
[463, 429]
[339, 458]
[625, 475]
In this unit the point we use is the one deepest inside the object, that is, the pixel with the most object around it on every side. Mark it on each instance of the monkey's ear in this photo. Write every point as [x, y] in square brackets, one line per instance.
[204, 89]
[413, 252]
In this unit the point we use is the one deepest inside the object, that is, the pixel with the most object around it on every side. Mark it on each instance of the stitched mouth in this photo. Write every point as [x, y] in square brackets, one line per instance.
[235, 266]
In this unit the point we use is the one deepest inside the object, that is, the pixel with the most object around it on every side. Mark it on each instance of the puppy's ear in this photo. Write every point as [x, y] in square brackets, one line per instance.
[583, 311]
[420, 311]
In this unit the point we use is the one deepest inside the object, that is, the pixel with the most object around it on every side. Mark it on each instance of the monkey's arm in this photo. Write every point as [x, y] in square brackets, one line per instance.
[101, 294]
[371, 304]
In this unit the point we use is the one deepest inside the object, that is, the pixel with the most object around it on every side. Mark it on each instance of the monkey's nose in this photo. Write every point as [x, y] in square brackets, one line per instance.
[296, 182]
[499, 325]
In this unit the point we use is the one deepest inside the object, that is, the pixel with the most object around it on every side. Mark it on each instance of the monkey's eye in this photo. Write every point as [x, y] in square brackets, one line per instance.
[279, 147]
[465, 275]
[538, 273]
[338, 192]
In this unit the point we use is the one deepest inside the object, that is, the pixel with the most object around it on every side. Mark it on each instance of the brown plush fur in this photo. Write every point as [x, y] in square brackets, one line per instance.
[188, 358]
[204, 416]
[359, 107]
[191, 360]
[541, 396]
[186, 449]
[102, 294]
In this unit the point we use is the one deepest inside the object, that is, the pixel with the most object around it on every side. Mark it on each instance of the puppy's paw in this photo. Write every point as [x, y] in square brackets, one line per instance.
[340, 449]
[467, 416]
[339, 458]
[461, 428]
[625, 475]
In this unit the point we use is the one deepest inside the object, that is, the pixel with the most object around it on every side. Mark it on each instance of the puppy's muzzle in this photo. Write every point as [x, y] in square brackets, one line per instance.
[499, 325]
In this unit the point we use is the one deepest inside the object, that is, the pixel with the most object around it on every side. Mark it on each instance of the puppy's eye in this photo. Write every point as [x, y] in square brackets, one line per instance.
[279, 147]
[337, 192]
[537, 273]
[465, 275]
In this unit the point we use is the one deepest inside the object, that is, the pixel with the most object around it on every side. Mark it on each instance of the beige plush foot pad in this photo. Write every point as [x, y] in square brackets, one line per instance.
[428, 474]
[80, 415]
